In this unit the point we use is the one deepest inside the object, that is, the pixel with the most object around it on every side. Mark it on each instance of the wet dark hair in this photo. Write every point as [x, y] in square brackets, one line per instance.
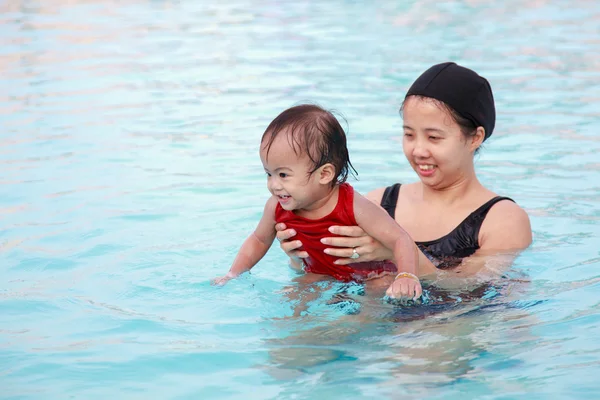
[313, 131]
[467, 127]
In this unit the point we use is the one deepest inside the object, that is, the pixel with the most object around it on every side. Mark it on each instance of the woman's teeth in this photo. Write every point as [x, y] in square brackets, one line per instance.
[428, 167]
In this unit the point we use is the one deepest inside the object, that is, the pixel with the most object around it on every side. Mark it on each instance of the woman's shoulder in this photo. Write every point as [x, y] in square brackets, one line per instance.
[376, 195]
[506, 209]
[506, 226]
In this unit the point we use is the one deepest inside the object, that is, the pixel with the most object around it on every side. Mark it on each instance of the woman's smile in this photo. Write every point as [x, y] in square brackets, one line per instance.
[426, 170]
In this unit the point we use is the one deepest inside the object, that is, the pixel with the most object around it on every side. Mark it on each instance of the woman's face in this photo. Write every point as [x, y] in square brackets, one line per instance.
[434, 144]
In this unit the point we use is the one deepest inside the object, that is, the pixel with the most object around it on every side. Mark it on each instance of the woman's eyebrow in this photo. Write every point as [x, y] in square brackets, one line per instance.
[435, 130]
[429, 130]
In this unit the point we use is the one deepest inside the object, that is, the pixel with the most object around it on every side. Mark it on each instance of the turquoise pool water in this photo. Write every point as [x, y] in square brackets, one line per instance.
[128, 148]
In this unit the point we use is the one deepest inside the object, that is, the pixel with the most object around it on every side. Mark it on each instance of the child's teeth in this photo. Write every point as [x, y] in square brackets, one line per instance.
[426, 167]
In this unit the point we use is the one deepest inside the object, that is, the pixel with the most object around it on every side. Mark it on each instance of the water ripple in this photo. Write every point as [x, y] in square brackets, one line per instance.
[130, 176]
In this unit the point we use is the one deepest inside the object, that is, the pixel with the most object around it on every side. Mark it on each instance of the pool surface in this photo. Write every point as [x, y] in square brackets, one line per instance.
[130, 176]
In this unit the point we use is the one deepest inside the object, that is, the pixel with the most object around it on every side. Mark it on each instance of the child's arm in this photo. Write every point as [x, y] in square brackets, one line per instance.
[379, 225]
[256, 245]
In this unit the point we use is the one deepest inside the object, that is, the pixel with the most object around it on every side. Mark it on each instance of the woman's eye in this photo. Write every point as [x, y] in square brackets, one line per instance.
[434, 137]
[268, 174]
[282, 175]
[407, 134]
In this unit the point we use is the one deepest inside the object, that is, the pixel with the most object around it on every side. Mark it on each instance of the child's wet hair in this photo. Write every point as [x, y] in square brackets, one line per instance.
[313, 131]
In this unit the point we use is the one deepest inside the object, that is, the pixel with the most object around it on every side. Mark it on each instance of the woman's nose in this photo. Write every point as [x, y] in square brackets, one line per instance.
[420, 150]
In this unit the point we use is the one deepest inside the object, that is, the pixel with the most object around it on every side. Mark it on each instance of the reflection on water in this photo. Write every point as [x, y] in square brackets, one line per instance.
[130, 176]
[442, 342]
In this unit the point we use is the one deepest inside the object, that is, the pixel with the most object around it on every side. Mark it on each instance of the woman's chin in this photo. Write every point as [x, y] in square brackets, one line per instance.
[433, 182]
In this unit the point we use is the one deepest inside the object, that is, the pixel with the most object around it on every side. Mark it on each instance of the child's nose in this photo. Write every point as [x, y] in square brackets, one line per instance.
[273, 184]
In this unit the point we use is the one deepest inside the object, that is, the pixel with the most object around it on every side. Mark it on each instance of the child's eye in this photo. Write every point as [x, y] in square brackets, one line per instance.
[268, 174]
[407, 134]
[434, 137]
[282, 175]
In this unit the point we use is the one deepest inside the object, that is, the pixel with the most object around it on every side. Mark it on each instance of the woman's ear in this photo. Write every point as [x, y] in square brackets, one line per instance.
[326, 174]
[477, 138]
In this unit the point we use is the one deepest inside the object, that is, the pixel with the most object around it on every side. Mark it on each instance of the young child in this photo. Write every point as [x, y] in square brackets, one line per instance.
[305, 157]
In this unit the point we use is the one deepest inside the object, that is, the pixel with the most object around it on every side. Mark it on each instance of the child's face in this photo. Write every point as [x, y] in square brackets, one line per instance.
[288, 176]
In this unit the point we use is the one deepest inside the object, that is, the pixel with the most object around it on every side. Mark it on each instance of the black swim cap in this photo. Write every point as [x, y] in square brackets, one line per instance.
[460, 88]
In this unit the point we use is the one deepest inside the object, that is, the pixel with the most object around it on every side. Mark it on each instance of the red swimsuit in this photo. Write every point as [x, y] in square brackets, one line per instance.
[311, 231]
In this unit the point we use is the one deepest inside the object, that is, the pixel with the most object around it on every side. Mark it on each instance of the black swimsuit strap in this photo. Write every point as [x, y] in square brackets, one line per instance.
[390, 198]
[448, 250]
[475, 219]
[470, 226]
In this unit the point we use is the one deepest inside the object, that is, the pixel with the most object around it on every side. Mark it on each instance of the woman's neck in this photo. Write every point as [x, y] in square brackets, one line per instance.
[458, 190]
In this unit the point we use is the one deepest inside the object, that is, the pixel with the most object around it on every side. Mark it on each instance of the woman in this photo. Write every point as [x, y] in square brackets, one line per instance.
[456, 222]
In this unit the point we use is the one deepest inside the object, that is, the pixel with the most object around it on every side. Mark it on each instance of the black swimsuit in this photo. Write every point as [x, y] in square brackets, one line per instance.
[449, 250]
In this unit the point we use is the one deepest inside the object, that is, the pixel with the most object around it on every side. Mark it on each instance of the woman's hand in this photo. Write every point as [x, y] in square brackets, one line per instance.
[290, 247]
[405, 288]
[367, 248]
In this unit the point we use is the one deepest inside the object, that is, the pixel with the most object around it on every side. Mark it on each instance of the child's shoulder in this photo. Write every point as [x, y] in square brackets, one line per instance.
[271, 205]
[374, 196]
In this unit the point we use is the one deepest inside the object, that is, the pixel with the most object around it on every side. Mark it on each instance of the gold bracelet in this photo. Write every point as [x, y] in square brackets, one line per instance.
[407, 275]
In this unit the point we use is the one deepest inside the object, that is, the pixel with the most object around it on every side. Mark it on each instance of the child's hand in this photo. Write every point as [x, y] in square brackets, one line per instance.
[220, 281]
[405, 286]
